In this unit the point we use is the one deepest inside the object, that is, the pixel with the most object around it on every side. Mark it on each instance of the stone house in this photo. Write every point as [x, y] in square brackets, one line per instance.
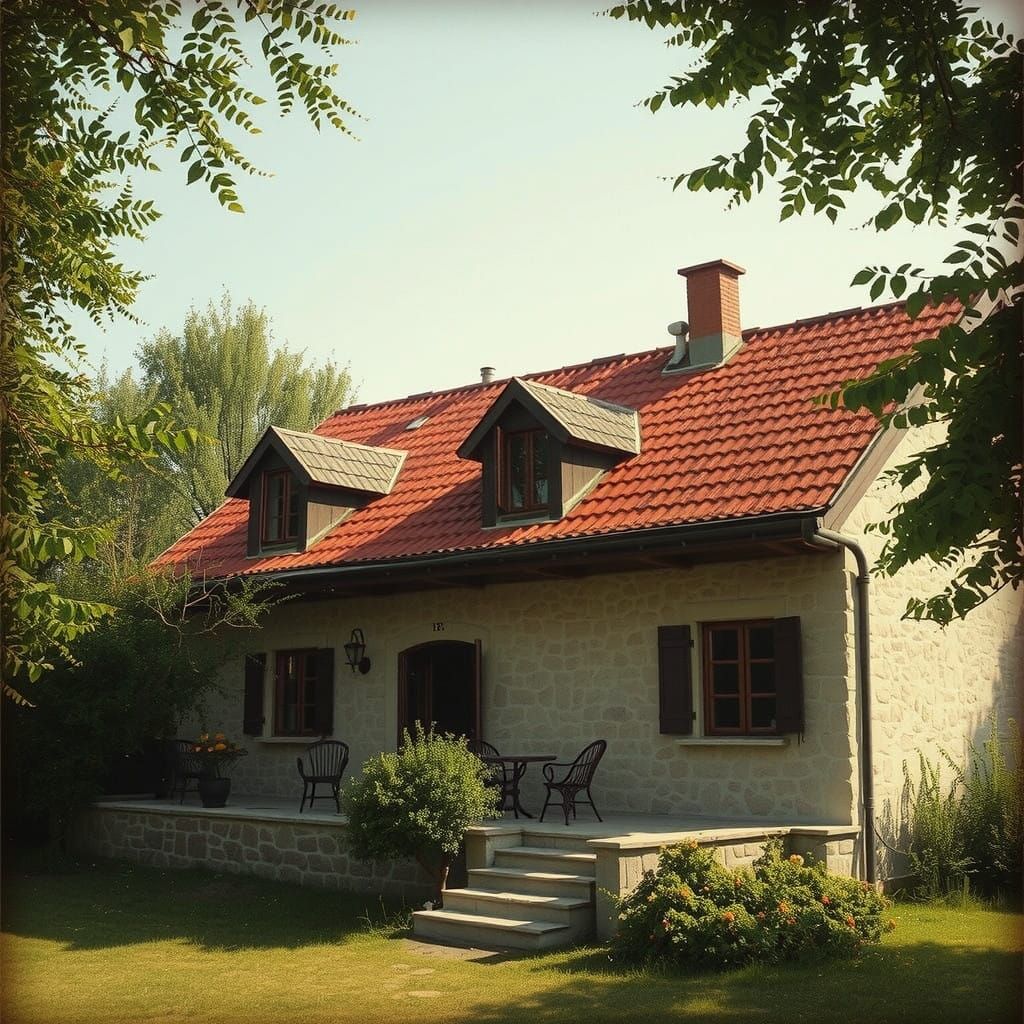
[663, 549]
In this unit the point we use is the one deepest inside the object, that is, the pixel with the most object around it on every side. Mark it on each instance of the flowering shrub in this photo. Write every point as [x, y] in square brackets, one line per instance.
[215, 754]
[694, 911]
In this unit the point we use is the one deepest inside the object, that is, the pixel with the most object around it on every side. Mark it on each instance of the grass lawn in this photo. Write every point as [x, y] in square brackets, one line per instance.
[118, 943]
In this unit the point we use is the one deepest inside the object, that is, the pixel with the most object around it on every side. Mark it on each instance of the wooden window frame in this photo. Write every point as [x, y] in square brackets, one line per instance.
[504, 474]
[743, 662]
[305, 655]
[289, 485]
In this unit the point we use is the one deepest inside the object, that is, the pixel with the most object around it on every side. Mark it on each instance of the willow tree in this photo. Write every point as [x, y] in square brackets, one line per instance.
[93, 94]
[918, 104]
[224, 376]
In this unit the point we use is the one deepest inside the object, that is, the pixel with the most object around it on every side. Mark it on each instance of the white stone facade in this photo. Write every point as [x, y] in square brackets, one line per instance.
[569, 661]
[933, 689]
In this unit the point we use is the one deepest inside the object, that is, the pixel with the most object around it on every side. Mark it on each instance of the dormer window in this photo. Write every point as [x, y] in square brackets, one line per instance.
[280, 516]
[525, 471]
[301, 486]
[543, 449]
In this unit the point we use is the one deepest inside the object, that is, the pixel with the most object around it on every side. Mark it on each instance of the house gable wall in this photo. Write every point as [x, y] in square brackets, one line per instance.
[933, 688]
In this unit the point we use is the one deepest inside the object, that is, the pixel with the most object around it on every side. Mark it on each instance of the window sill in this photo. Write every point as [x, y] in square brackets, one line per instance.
[733, 741]
[303, 741]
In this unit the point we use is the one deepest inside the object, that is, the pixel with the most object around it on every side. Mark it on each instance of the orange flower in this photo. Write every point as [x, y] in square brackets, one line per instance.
[825, 900]
[728, 917]
[850, 921]
[220, 746]
[790, 920]
[783, 907]
[760, 915]
[796, 859]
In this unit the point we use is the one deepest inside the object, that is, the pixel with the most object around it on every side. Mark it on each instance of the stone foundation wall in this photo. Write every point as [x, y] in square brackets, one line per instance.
[313, 854]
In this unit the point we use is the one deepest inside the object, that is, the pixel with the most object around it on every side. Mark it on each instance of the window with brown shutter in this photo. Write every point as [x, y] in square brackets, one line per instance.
[304, 693]
[752, 677]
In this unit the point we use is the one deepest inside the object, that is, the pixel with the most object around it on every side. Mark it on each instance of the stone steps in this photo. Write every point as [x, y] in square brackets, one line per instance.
[477, 930]
[546, 858]
[541, 883]
[531, 897]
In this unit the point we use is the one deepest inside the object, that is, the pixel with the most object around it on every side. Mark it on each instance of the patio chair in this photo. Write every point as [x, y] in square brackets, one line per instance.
[576, 780]
[503, 776]
[186, 768]
[327, 761]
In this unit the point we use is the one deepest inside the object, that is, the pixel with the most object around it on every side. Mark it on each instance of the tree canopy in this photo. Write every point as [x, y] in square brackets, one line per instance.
[173, 78]
[223, 376]
[919, 103]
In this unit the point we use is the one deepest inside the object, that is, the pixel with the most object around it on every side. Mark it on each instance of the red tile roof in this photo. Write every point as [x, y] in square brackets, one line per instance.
[740, 440]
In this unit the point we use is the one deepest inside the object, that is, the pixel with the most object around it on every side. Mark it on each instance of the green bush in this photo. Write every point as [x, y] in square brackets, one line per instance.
[418, 802]
[971, 831]
[133, 678]
[693, 911]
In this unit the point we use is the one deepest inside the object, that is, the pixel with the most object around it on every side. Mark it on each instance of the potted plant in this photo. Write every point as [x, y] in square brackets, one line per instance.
[214, 757]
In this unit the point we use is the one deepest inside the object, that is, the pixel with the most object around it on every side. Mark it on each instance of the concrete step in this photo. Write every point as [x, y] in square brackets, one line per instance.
[540, 883]
[480, 930]
[574, 911]
[558, 841]
[546, 858]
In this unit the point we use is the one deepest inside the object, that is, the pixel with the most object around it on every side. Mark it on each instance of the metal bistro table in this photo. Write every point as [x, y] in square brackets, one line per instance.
[518, 763]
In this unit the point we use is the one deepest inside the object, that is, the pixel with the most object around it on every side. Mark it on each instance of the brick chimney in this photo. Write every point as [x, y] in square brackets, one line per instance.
[713, 309]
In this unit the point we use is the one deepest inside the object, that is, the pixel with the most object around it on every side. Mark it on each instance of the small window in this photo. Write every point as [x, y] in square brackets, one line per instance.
[740, 678]
[295, 693]
[525, 471]
[280, 520]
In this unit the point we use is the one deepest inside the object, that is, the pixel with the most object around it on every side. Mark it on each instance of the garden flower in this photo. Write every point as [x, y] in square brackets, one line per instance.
[790, 920]
[783, 907]
[796, 859]
[728, 917]
[760, 915]
[850, 921]
[825, 900]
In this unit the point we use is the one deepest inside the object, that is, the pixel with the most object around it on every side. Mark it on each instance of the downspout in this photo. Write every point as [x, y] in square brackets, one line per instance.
[862, 636]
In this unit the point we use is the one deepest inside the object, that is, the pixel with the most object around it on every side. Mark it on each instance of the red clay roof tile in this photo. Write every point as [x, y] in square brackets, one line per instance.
[738, 440]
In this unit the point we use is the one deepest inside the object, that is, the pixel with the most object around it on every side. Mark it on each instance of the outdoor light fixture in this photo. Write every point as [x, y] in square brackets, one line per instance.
[355, 652]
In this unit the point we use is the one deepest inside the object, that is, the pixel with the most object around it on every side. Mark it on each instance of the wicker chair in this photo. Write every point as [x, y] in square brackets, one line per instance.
[576, 780]
[327, 761]
[187, 768]
[503, 777]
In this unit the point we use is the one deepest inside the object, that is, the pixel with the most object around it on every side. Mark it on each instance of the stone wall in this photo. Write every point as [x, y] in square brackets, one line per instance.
[569, 661]
[933, 688]
[313, 854]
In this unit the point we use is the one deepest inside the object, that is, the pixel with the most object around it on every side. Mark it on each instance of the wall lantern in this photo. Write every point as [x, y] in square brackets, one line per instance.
[355, 652]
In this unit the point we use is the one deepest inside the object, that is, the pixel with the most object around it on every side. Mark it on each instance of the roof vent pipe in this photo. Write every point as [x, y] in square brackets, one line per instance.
[487, 374]
[679, 330]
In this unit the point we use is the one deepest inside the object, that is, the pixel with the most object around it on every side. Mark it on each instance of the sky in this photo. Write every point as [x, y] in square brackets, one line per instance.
[504, 204]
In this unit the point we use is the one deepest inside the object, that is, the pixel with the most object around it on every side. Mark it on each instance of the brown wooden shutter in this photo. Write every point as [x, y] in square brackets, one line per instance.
[500, 470]
[789, 677]
[675, 683]
[252, 707]
[324, 712]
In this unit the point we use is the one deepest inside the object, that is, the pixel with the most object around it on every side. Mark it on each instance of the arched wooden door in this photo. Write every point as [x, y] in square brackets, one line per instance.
[439, 685]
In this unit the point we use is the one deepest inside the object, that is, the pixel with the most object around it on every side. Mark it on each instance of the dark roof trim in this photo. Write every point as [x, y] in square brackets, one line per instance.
[774, 526]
